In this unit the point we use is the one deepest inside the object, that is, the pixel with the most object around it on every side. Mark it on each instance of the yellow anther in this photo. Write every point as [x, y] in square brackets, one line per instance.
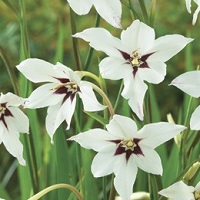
[127, 144]
[197, 195]
[135, 59]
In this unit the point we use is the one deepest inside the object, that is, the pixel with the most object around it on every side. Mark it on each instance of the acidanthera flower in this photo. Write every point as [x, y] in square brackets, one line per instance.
[135, 58]
[110, 10]
[188, 6]
[122, 149]
[181, 191]
[189, 83]
[59, 93]
[12, 122]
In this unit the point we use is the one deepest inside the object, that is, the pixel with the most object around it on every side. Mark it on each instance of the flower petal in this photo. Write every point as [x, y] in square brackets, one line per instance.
[37, 70]
[194, 121]
[88, 97]
[19, 120]
[122, 127]
[110, 10]
[43, 96]
[125, 178]
[138, 36]
[189, 83]
[96, 139]
[154, 74]
[81, 7]
[195, 15]
[157, 133]
[11, 99]
[101, 40]
[188, 5]
[177, 191]
[114, 68]
[102, 164]
[167, 46]
[13, 144]
[134, 90]
[149, 162]
[57, 114]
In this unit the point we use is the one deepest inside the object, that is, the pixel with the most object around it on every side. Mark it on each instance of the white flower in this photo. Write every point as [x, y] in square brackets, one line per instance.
[110, 10]
[12, 122]
[122, 149]
[59, 93]
[135, 58]
[181, 191]
[189, 83]
[188, 6]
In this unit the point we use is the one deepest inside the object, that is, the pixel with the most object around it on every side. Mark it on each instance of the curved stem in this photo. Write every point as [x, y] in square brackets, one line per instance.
[104, 96]
[54, 187]
[89, 74]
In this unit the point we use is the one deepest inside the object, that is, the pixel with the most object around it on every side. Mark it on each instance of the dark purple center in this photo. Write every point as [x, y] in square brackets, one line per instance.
[128, 147]
[141, 62]
[68, 88]
[4, 112]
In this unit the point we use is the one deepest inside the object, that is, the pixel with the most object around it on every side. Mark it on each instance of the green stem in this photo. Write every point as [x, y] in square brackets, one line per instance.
[91, 50]
[105, 98]
[112, 190]
[10, 70]
[54, 187]
[118, 95]
[144, 10]
[25, 53]
[152, 12]
[74, 40]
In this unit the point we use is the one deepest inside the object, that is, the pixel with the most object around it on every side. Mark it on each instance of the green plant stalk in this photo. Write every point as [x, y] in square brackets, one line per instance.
[118, 95]
[91, 50]
[54, 187]
[25, 53]
[112, 190]
[135, 15]
[152, 12]
[144, 10]
[74, 40]
[105, 98]
[10, 70]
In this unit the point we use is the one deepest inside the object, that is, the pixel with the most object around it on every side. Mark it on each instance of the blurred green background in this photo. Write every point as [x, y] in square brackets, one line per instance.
[49, 38]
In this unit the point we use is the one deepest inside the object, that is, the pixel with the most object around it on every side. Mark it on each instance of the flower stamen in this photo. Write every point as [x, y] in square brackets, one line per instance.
[197, 195]
[127, 144]
[135, 59]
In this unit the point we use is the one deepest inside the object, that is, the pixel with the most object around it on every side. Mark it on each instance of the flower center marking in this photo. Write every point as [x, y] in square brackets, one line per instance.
[135, 59]
[70, 86]
[127, 144]
[197, 195]
[2, 110]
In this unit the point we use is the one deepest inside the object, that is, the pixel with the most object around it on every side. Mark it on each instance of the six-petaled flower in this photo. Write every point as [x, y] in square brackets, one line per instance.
[59, 93]
[135, 58]
[12, 122]
[122, 149]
